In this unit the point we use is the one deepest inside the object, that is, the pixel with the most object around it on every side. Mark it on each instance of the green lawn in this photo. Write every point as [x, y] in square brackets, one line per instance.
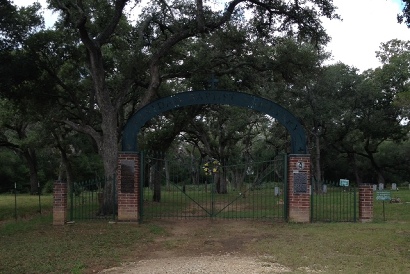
[395, 212]
[33, 245]
[201, 201]
[26, 206]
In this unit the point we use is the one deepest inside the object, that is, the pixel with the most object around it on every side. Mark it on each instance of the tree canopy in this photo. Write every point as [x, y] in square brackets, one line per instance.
[80, 80]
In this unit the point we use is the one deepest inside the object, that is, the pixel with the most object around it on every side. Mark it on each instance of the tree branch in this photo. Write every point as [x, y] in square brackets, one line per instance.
[87, 130]
[110, 28]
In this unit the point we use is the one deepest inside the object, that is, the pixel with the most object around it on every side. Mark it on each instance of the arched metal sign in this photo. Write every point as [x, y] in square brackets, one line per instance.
[214, 97]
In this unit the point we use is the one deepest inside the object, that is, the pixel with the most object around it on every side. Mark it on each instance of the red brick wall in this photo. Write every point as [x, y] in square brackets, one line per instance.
[59, 203]
[298, 203]
[365, 203]
[128, 203]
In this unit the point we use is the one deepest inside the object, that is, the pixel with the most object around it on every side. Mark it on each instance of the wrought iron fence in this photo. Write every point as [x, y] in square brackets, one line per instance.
[87, 199]
[189, 188]
[331, 202]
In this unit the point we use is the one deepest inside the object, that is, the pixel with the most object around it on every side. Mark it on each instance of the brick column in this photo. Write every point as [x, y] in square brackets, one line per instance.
[59, 203]
[128, 177]
[365, 203]
[299, 188]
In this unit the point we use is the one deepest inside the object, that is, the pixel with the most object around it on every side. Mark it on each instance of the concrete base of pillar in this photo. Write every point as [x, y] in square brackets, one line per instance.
[298, 215]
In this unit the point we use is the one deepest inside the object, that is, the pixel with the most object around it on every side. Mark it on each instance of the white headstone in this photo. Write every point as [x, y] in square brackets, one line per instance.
[393, 186]
[374, 187]
[277, 191]
[381, 186]
[324, 187]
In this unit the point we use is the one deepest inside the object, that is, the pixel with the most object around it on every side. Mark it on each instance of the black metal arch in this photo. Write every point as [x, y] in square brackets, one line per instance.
[215, 97]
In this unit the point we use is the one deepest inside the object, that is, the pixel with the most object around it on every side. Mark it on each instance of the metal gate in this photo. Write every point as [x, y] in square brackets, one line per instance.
[333, 202]
[175, 187]
[86, 199]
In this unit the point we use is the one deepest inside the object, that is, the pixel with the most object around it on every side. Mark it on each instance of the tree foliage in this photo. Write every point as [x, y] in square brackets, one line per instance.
[104, 60]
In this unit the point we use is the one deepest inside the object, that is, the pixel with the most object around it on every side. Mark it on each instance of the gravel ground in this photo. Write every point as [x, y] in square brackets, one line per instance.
[204, 246]
[224, 264]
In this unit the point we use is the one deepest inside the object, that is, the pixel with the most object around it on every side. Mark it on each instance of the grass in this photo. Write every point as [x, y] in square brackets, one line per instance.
[36, 246]
[33, 245]
[394, 212]
[200, 202]
[26, 206]
[341, 247]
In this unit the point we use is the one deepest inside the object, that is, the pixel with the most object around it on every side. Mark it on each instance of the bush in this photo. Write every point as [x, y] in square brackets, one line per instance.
[48, 187]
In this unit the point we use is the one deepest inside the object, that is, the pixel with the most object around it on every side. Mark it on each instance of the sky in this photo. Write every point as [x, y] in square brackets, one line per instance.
[366, 24]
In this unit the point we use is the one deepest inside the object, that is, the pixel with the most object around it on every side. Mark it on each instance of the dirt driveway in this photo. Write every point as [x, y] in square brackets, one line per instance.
[205, 246]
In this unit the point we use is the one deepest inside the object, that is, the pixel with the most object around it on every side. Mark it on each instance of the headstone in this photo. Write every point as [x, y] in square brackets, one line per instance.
[381, 186]
[324, 187]
[393, 186]
[374, 187]
[277, 191]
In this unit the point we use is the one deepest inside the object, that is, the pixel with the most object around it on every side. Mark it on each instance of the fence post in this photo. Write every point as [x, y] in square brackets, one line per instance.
[365, 203]
[59, 203]
[114, 186]
[141, 185]
[354, 204]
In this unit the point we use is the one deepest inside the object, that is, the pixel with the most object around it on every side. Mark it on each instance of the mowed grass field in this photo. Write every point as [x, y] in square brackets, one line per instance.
[33, 245]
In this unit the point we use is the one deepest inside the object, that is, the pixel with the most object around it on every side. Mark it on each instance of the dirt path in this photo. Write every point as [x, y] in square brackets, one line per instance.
[204, 246]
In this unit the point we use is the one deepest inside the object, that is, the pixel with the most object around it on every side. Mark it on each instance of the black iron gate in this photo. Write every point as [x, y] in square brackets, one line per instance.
[175, 187]
[86, 199]
[333, 202]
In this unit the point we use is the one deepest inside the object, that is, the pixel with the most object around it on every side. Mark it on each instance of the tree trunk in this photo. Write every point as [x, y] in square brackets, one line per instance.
[317, 166]
[352, 158]
[66, 168]
[31, 158]
[167, 175]
[380, 177]
[158, 164]
[109, 154]
[221, 186]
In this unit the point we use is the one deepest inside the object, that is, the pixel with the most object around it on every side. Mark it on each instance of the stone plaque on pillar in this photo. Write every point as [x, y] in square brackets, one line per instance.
[300, 183]
[127, 176]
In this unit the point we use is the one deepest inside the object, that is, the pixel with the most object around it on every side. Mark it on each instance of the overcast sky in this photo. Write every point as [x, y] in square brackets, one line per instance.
[366, 24]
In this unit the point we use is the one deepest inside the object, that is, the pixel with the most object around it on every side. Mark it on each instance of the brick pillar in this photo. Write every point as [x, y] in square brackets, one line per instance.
[365, 203]
[299, 188]
[59, 203]
[128, 177]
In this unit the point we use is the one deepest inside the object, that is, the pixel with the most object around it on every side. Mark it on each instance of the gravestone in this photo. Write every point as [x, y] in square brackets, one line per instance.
[374, 187]
[277, 191]
[393, 186]
[324, 188]
[381, 186]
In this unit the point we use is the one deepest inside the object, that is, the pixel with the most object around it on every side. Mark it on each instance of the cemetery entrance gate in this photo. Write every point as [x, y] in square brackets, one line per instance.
[278, 188]
[183, 187]
[284, 183]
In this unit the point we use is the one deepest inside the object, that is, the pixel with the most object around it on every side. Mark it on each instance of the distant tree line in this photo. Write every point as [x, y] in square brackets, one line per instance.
[67, 91]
